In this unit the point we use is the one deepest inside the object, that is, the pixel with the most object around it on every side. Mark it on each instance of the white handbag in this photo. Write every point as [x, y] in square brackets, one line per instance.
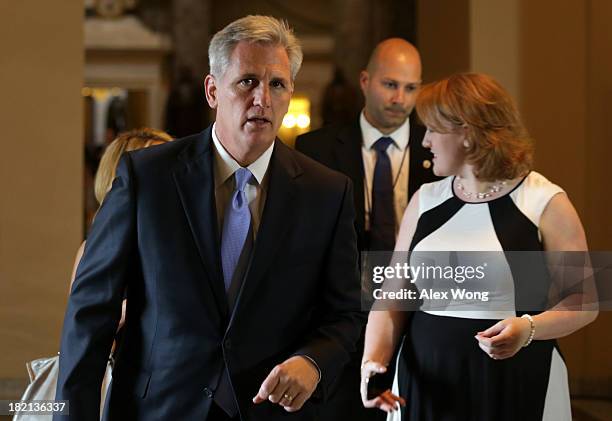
[43, 374]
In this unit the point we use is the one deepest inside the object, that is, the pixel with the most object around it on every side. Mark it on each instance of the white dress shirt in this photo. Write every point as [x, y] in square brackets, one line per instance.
[397, 152]
[224, 167]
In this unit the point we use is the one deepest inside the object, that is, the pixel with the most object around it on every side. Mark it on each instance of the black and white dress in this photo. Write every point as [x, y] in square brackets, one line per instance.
[442, 372]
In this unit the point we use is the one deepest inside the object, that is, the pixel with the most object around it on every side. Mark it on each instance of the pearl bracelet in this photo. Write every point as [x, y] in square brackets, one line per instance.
[532, 331]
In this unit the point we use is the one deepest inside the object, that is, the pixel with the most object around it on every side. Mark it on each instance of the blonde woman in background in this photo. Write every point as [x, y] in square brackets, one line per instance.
[128, 141]
[43, 372]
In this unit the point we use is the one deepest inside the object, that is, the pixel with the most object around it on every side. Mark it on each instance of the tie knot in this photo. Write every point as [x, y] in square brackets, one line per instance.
[382, 144]
[243, 176]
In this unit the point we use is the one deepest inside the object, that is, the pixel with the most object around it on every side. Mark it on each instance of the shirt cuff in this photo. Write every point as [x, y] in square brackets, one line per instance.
[313, 363]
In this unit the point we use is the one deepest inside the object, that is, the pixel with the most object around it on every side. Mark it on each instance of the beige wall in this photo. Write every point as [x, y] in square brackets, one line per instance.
[41, 68]
[443, 37]
[494, 47]
[599, 122]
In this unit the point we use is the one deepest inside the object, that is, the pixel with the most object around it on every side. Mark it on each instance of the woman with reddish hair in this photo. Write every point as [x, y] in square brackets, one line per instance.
[492, 360]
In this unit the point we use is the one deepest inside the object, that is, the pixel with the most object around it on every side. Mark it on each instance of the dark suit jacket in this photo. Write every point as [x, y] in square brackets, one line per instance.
[156, 235]
[339, 148]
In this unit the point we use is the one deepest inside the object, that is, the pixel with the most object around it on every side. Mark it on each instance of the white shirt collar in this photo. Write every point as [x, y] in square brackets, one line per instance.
[225, 166]
[371, 134]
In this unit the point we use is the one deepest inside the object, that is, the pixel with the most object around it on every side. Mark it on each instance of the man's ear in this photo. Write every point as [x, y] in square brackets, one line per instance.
[210, 88]
[364, 80]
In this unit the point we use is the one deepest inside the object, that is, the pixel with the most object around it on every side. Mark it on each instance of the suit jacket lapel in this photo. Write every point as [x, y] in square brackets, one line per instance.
[347, 152]
[278, 215]
[195, 183]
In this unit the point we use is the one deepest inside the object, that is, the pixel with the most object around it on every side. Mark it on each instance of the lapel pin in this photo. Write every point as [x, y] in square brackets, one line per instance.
[427, 164]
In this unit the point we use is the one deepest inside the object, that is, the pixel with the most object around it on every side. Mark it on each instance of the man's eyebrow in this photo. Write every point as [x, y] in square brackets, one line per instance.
[247, 76]
[412, 82]
[280, 78]
[285, 82]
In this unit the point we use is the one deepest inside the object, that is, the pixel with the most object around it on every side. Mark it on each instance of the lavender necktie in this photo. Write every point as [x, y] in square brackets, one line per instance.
[236, 224]
[236, 242]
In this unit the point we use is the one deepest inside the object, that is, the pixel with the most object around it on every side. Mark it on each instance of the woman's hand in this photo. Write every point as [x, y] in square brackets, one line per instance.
[505, 338]
[386, 401]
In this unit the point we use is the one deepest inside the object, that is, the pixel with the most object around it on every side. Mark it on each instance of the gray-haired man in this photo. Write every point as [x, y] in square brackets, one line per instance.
[239, 258]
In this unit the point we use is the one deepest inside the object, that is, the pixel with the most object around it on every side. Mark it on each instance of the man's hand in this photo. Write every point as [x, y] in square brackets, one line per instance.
[289, 384]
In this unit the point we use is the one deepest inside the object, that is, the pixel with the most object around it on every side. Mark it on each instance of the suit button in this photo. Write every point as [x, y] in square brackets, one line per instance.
[228, 344]
[208, 393]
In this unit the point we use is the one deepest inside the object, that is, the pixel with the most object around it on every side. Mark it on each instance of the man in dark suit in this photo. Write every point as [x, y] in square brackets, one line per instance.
[381, 152]
[238, 257]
